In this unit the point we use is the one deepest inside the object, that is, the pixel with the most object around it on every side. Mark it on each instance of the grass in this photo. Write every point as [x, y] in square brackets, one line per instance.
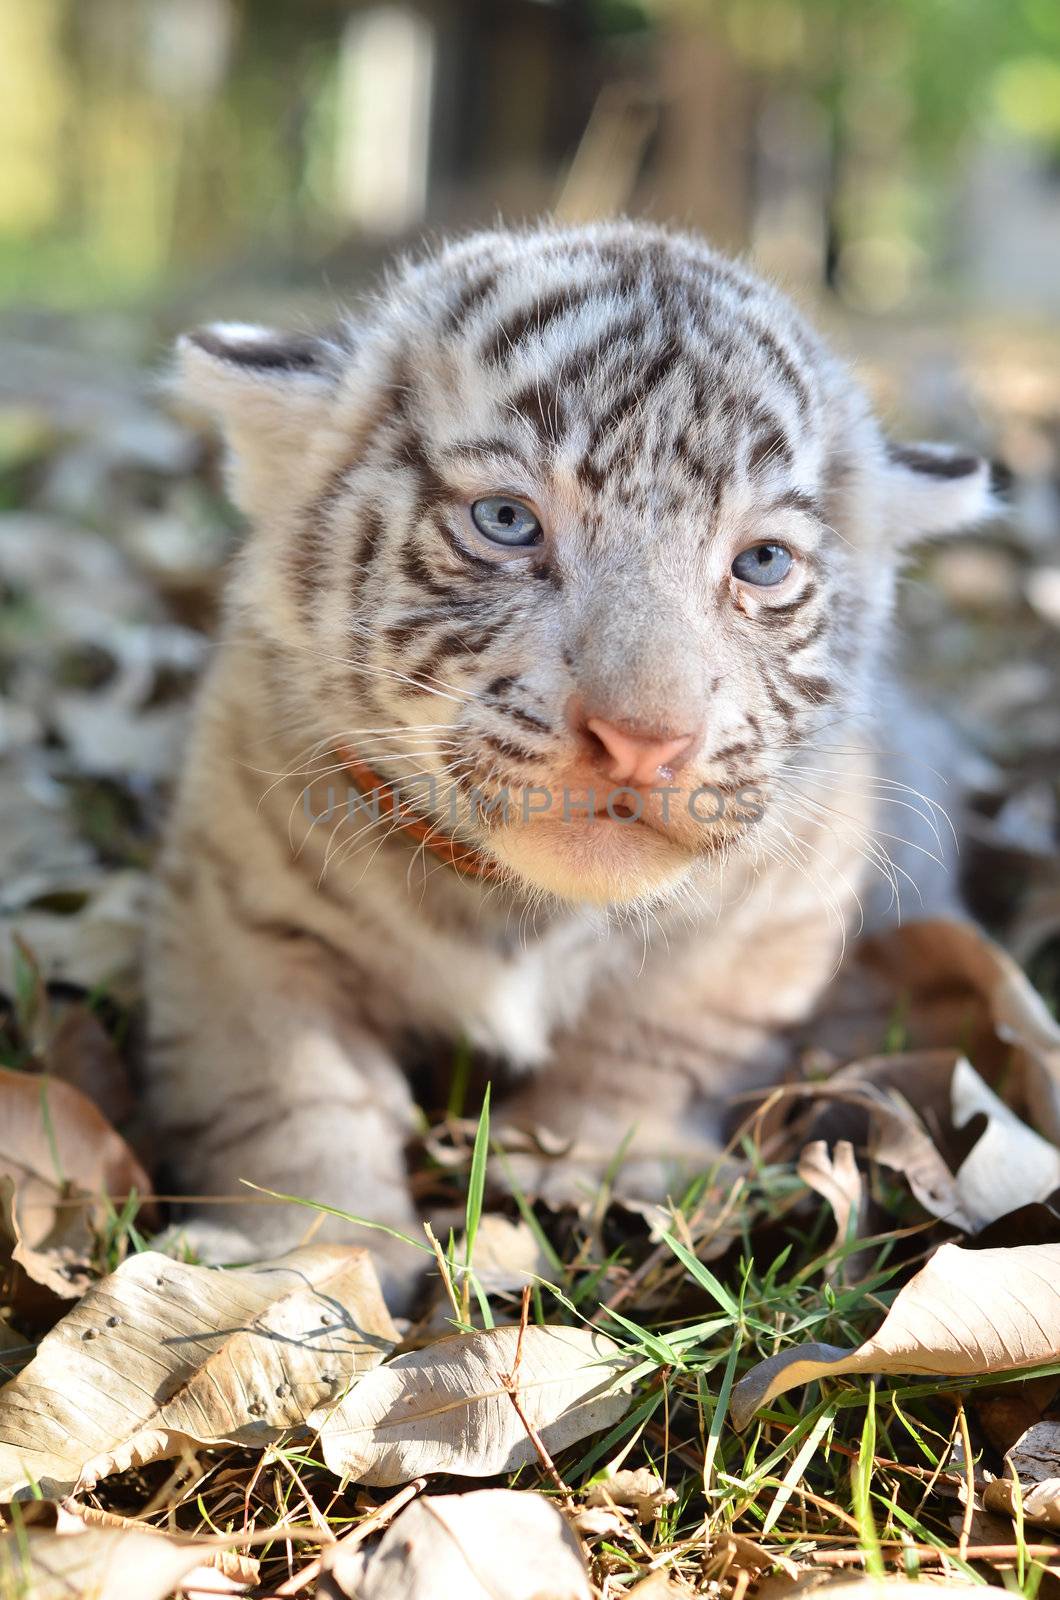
[846, 1476]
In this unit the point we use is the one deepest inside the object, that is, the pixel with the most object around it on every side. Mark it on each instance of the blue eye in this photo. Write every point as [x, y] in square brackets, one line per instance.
[506, 521]
[763, 565]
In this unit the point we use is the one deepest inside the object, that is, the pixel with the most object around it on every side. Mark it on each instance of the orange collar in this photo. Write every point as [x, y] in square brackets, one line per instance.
[463, 858]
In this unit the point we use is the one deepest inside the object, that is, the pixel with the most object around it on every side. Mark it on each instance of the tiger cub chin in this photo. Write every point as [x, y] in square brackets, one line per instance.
[545, 716]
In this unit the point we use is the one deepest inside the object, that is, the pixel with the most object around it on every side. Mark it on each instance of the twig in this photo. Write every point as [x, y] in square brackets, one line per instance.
[510, 1384]
[372, 1523]
[439, 1256]
[936, 1557]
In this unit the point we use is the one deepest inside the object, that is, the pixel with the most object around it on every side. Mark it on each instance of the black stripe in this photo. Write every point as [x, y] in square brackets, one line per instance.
[474, 292]
[646, 382]
[371, 538]
[817, 690]
[512, 752]
[779, 704]
[578, 366]
[306, 561]
[770, 446]
[488, 447]
[803, 643]
[482, 563]
[415, 567]
[525, 719]
[284, 353]
[789, 608]
[432, 489]
[799, 500]
[542, 407]
[914, 459]
[530, 321]
[782, 361]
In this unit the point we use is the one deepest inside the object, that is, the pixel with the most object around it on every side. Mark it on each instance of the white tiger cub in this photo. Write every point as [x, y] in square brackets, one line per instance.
[542, 717]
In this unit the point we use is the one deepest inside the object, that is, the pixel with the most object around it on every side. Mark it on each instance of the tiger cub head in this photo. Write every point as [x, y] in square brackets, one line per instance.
[582, 534]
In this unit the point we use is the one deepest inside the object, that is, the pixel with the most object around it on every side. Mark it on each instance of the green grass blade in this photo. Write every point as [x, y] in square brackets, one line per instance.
[703, 1276]
[721, 1408]
[862, 1491]
[476, 1183]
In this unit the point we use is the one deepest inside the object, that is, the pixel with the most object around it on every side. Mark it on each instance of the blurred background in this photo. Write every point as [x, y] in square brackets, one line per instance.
[899, 153]
[894, 163]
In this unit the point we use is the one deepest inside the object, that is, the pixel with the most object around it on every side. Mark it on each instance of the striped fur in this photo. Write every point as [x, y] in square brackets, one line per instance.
[662, 409]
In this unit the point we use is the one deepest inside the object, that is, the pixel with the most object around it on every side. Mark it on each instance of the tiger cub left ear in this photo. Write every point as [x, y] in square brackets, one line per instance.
[269, 391]
[935, 488]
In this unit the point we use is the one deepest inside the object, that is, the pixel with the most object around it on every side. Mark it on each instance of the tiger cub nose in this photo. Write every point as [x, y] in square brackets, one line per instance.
[635, 757]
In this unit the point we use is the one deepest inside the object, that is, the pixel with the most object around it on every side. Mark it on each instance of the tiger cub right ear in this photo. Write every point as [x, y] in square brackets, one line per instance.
[268, 391]
[935, 489]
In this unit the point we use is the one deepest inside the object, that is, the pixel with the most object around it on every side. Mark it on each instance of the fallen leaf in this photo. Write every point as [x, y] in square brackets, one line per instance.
[1005, 1414]
[637, 1488]
[37, 1280]
[1033, 1461]
[61, 1158]
[104, 1563]
[602, 1522]
[507, 1255]
[161, 1353]
[661, 1586]
[99, 945]
[1009, 1165]
[965, 1313]
[879, 1089]
[736, 1552]
[81, 1052]
[446, 1408]
[242, 1571]
[476, 1546]
[836, 1178]
[946, 981]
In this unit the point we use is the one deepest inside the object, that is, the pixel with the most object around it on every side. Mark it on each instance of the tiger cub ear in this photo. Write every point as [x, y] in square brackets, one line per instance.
[268, 391]
[935, 488]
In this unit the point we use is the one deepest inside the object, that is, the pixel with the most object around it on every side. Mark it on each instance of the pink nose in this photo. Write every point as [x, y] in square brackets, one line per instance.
[636, 757]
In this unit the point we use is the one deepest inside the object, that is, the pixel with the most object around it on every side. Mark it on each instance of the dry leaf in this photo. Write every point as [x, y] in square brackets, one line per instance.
[1010, 1165]
[81, 1052]
[241, 1571]
[836, 1179]
[966, 1312]
[473, 1546]
[1034, 1461]
[61, 1156]
[638, 1488]
[446, 1408]
[104, 1563]
[662, 1586]
[507, 1255]
[953, 983]
[896, 1136]
[602, 1522]
[161, 1353]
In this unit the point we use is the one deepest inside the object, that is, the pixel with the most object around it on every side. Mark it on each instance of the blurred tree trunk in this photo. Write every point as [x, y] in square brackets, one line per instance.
[704, 161]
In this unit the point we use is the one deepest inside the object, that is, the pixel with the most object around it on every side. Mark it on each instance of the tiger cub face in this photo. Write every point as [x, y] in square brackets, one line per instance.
[585, 527]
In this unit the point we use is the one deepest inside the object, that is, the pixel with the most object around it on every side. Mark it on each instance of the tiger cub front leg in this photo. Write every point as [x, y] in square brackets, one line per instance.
[645, 1087]
[262, 1067]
